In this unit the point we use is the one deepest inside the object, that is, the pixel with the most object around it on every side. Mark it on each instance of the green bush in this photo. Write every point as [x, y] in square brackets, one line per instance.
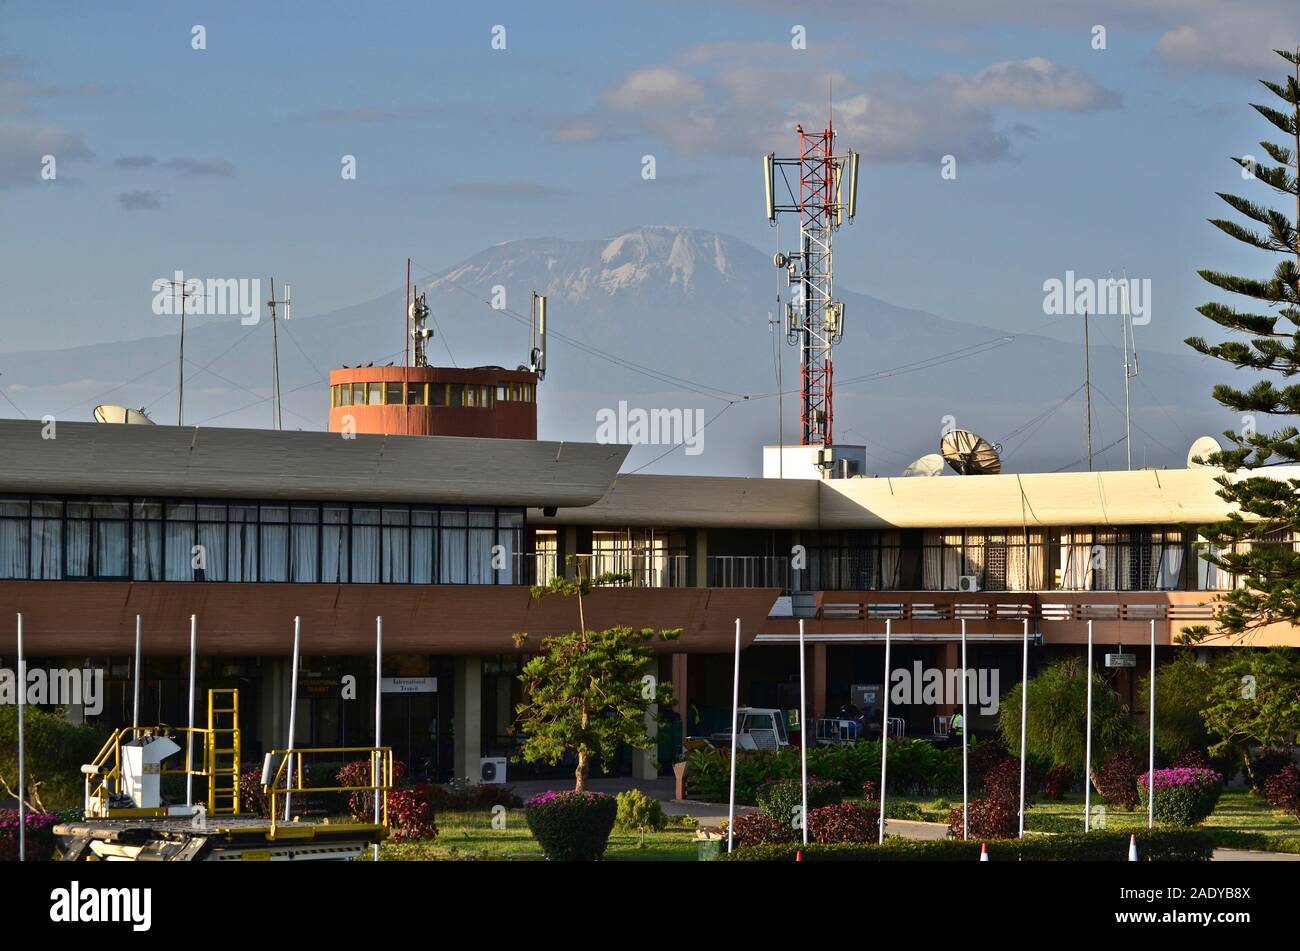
[916, 767]
[782, 800]
[1158, 845]
[1184, 797]
[571, 826]
[638, 812]
[55, 750]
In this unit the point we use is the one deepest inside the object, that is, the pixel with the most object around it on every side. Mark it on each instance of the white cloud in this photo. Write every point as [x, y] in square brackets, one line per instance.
[655, 87]
[1034, 83]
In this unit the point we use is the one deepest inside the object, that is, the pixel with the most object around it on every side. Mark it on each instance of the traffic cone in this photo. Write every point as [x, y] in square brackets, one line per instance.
[798, 855]
[1132, 847]
[984, 851]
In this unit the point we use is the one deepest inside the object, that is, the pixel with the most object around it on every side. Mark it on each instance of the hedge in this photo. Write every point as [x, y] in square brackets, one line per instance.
[1160, 845]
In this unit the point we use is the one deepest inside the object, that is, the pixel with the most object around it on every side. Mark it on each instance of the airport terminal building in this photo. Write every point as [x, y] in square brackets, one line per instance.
[444, 537]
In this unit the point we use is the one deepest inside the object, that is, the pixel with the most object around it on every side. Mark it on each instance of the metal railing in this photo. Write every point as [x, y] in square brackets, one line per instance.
[98, 801]
[381, 778]
[844, 606]
[750, 571]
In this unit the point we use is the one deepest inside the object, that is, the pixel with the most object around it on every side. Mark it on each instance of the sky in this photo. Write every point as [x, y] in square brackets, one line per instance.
[226, 160]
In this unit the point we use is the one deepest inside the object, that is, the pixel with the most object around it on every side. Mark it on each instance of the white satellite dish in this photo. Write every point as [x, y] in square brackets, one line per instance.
[1203, 447]
[928, 465]
[109, 413]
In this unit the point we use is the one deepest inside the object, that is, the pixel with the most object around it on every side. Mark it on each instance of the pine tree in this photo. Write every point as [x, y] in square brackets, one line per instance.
[1266, 509]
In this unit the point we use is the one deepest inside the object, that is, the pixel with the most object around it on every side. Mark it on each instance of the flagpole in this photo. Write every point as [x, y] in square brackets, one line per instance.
[1087, 754]
[189, 736]
[884, 737]
[1151, 726]
[965, 734]
[22, 764]
[379, 696]
[293, 722]
[735, 713]
[1024, 719]
[135, 709]
[803, 736]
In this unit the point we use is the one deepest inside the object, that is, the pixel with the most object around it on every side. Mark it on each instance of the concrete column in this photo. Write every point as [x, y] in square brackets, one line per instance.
[273, 706]
[568, 549]
[681, 690]
[645, 763]
[468, 718]
[817, 684]
[951, 660]
[700, 555]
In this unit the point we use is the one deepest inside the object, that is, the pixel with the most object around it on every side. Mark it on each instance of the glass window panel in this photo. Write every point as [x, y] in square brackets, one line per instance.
[78, 543]
[334, 544]
[15, 507]
[358, 394]
[146, 550]
[146, 510]
[211, 512]
[415, 394]
[304, 544]
[393, 393]
[365, 545]
[376, 393]
[13, 542]
[437, 394]
[179, 548]
[241, 543]
[47, 507]
[345, 395]
[396, 545]
[112, 552]
[455, 394]
[47, 548]
[212, 554]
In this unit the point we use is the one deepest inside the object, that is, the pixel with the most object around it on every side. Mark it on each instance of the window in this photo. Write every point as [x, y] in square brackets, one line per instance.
[273, 542]
[358, 394]
[375, 394]
[503, 392]
[455, 394]
[345, 395]
[393, 393]
[437, 394]
[415, 394]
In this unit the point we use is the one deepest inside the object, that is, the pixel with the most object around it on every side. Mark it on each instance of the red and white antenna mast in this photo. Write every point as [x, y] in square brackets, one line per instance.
[814, 319]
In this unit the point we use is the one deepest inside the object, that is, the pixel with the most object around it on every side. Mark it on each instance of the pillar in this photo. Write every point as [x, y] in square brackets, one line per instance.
[467, 718]
[681, 691]
[700, 556]
[273, 706]
[645, 763]
[817, 686]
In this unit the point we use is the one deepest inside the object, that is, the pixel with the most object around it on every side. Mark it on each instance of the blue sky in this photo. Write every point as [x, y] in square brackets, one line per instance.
[226, 161]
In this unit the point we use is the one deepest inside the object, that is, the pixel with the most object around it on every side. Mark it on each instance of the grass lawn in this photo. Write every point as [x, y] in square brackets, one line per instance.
[468, 836]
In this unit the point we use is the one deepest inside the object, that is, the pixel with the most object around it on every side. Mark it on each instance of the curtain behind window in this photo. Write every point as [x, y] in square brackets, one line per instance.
[13, 546]
[365, 545]
[334, 544]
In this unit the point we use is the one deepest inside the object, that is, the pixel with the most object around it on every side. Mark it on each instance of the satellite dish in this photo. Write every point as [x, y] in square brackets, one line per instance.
[969, 454]
[108, 413]
[928, 465]
[1203, 447]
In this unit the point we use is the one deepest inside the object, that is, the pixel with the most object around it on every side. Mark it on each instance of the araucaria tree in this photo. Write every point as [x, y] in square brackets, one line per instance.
[588, 692]
[1266, 510]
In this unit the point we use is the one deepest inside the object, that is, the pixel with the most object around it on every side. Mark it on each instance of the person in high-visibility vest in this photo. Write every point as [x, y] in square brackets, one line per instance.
[956, 727]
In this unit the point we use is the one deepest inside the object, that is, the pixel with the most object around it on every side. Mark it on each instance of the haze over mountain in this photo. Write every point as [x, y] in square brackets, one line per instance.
[667, 317]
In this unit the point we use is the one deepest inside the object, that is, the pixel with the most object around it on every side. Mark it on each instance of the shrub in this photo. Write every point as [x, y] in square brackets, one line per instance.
[39, 839]
[781, 801]
[410, 813]
[1116, 780]
[871, 791]
[987, 819]
[1192, 759]
[1003, 781]
[357, 773]
[1184, 797]
[1282, 791]
[638, 812]
[843, 822]
[1264, 765]
[253, 801]
[1154, 845]
[902, 809]
[462, 796]
[571, 826]
[755, 828]
[1059, 780]
[982, 757]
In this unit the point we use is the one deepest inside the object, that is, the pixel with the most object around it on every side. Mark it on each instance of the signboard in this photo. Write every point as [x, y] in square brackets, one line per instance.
[866, 696]
[1121, 660]
[409, 684]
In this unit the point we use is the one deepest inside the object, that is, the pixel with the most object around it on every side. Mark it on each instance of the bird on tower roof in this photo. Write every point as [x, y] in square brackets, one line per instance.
[798, 127]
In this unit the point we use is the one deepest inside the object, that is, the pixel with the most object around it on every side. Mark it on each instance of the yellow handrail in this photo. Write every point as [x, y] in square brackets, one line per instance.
[381, 775]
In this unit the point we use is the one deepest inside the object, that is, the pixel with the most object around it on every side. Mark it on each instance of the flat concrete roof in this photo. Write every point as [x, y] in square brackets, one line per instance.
[113, 459]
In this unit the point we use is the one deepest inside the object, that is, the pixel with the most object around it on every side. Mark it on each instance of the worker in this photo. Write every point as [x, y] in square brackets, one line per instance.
[956, 727]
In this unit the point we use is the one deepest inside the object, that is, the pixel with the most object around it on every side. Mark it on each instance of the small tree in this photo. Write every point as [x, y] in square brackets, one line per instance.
[54, 749]
[1182, 686]
[1255, 699]
[1055, 730]
[586, 691]
[1265, 509]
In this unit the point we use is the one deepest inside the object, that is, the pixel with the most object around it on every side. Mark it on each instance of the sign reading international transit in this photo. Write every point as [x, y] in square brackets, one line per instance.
[409, 684]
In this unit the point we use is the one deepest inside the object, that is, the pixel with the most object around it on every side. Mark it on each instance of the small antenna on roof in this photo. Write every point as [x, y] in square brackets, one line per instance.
[537, 351]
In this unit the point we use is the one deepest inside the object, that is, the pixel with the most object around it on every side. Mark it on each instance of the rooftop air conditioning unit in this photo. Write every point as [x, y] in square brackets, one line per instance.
[492, 769]
[968, 583]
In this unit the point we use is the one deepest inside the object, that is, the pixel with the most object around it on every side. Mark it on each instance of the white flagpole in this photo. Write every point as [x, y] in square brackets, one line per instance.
[189, 737]
[22, 764]
[135, 710]
[965, 734]
[735, 715]
[884, 738]
[803, 732]
[379, 696]
[293, 722]
[1151, 726]
[1024, 719]
[1087, 754]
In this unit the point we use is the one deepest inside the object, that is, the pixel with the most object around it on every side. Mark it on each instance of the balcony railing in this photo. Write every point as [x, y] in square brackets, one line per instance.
[750, 571]
[1045, 606]
[659, 571]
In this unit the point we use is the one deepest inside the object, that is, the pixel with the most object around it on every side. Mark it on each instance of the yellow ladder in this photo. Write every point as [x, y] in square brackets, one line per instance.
[223, 752]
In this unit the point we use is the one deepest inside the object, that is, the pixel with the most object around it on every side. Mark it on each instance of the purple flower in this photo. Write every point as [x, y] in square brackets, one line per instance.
[1181, 776]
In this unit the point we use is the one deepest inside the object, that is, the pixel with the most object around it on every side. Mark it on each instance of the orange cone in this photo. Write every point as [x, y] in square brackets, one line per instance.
[1132, 847]
[798, 855]
[984, 851]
